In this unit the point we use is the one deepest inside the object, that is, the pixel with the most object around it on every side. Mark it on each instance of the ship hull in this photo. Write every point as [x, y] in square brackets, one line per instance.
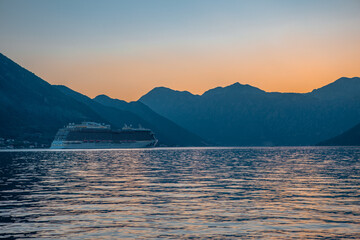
[100, 145]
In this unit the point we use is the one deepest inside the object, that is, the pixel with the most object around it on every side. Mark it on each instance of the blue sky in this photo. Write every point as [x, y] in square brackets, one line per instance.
[203, 43]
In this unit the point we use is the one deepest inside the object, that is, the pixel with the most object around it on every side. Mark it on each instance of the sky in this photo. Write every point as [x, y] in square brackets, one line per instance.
[126, 48]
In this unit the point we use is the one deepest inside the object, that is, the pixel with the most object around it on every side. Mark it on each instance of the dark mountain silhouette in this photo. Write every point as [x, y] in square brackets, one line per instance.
[164, 128]
[341, 89]
[32, 109]
[244, 115]
[350, 137]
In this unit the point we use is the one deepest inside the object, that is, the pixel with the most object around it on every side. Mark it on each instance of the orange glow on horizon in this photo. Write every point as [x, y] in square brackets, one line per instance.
[280, 67]
[124, 51]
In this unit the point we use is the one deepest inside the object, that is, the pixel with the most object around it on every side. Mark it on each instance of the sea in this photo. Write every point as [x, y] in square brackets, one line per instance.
[181, 193]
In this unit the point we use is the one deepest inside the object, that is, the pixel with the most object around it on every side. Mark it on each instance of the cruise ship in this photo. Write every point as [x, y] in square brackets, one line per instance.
[91, 135]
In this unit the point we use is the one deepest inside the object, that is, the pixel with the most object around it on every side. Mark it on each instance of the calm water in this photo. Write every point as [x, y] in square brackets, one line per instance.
[246, 193]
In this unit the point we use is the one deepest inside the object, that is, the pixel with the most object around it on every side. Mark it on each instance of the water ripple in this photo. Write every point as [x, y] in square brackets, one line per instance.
[219, 193]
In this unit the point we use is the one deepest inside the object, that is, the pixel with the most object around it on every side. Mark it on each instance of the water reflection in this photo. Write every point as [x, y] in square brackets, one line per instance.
[272, 193]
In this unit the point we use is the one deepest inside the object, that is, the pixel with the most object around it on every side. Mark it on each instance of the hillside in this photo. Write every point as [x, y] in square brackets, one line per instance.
[164, 128]
[244, 115]
[33, 110]
[350, 137]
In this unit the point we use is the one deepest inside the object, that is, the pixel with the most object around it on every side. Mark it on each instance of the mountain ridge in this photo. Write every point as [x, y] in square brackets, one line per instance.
[234, 115]
[33, 110]
[350, 137]
[178, 135]
[238, 84]
[257, 117]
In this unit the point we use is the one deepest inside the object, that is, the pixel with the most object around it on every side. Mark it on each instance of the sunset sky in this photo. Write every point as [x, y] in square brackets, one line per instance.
[126, 48]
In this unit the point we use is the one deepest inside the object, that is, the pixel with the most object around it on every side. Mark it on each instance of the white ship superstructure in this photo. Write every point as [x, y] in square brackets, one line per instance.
[88, 135]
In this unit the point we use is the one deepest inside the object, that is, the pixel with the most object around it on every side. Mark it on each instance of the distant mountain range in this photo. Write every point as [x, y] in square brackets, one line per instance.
[236, 115]
[242, 115]
[32, 109]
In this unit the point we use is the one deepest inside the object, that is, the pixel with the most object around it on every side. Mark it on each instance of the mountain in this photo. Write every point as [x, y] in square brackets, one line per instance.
[245, 115]
[350, 137]
[116, 118]
[343, 88]
[119, 112]
[164, 128]
[31, 109]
